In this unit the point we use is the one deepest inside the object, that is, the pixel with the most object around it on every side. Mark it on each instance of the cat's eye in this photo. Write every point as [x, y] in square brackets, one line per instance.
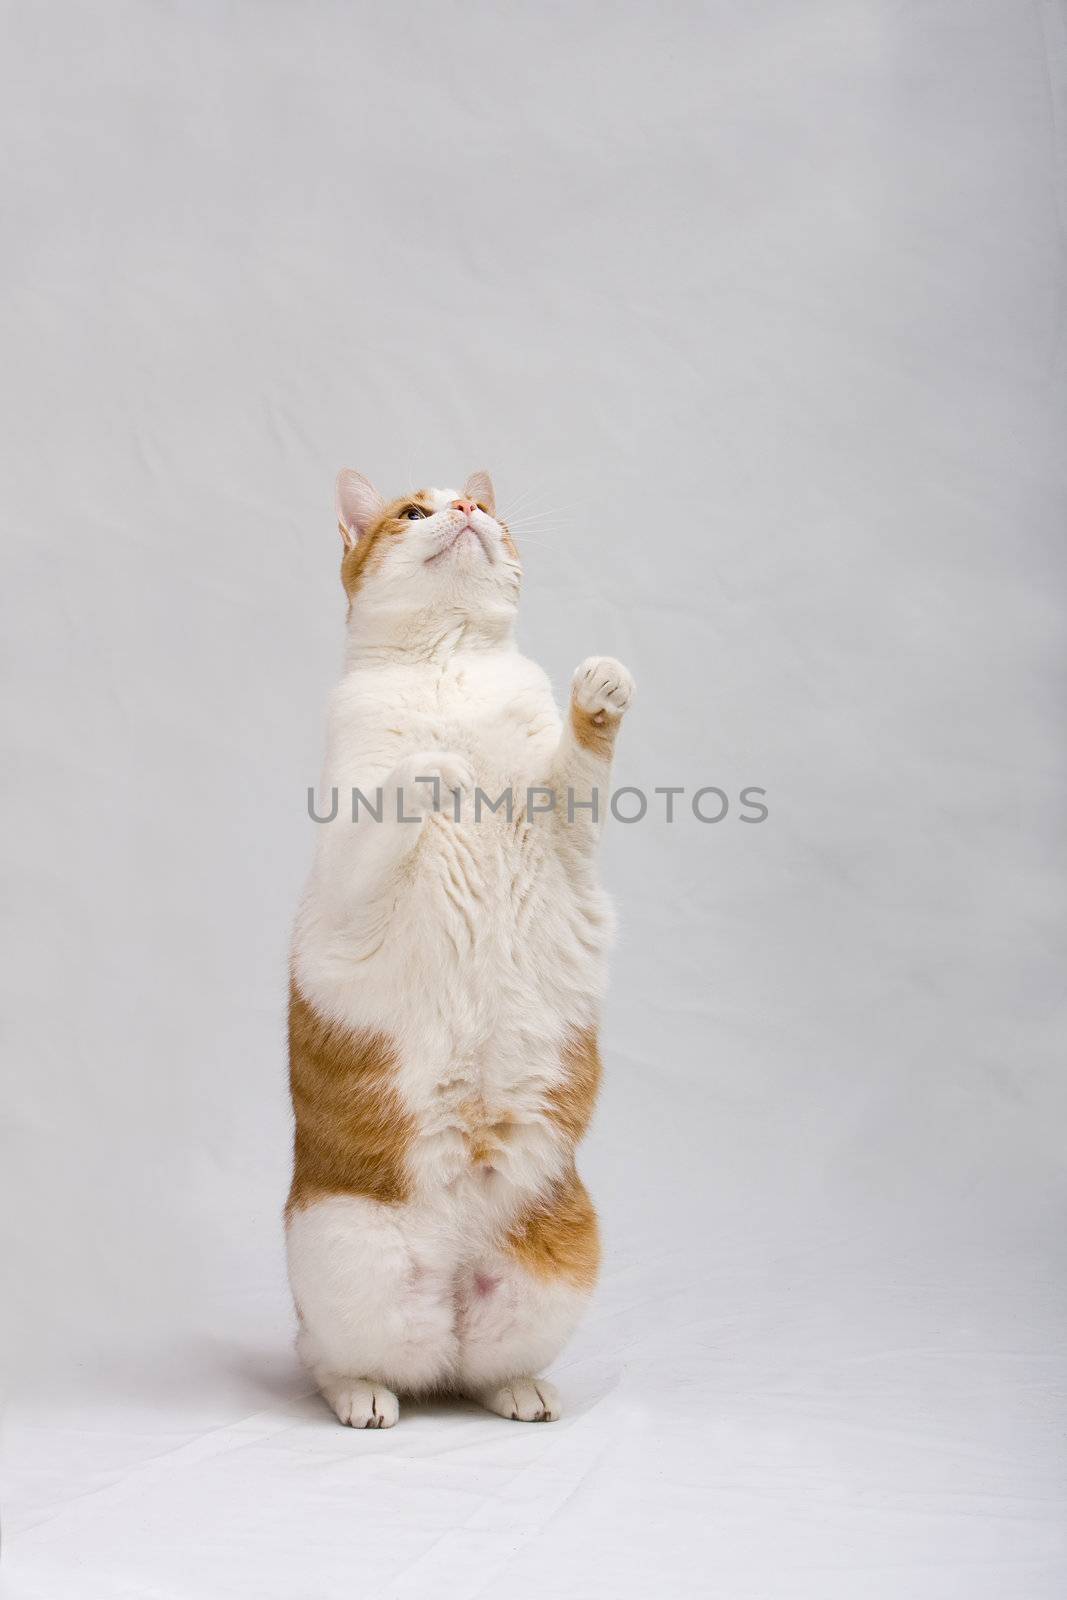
[414, 514]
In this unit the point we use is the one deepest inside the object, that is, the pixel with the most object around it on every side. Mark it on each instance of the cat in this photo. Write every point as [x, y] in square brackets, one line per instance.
[446, 979]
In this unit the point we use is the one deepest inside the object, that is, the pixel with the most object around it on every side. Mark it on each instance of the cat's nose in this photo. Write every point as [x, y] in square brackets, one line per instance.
[466, 506]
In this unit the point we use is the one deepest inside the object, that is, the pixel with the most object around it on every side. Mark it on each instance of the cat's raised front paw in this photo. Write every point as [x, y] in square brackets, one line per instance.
[362, 1404]
[602, 687]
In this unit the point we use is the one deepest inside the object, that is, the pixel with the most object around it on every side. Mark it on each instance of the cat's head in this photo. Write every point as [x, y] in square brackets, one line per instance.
[436, 550]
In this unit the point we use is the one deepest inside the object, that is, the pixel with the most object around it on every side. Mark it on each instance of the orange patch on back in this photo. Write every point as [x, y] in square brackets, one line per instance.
[570, 1102]
[558, 1236]
[352, 1132]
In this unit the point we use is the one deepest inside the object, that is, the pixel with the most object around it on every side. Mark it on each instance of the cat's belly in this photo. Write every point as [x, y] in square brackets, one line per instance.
[493, 957]
[484, 1125]
[507, 962]
[494, 923]
[489, 932]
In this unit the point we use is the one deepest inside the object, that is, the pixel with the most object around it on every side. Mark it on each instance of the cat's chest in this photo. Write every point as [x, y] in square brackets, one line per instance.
[506, 729]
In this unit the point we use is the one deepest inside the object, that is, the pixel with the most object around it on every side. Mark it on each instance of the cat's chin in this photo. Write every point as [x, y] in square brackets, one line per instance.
[458, 543]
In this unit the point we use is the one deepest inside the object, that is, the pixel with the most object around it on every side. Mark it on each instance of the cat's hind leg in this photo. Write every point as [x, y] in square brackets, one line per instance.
[375, 1295]
[520, 1304]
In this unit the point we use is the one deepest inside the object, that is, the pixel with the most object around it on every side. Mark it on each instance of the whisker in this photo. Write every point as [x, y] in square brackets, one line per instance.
[534, 516]
[521, 494]
[568, 505]
[547, 525]
[551, 511]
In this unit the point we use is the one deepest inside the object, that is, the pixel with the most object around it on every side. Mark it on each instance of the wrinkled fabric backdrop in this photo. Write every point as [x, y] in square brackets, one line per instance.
[755, 312]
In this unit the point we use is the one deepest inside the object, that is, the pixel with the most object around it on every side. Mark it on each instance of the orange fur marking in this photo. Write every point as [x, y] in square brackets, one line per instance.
[369, 550]
[485, 1139]
[352, 1134]
[594, 731]
[509, 544]
[570, 1103]
[558, 1237]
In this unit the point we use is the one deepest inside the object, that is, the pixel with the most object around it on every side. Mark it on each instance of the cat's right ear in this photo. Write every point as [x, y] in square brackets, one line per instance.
[359, 505]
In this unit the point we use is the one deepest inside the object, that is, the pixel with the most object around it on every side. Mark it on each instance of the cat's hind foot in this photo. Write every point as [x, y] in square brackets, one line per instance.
[524, 1400]
[361, 1403]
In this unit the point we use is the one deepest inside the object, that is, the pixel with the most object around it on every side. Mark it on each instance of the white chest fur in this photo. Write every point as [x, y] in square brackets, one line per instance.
[492, 942]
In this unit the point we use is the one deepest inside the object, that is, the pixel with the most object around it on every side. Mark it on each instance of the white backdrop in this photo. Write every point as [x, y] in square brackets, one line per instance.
[755, 311]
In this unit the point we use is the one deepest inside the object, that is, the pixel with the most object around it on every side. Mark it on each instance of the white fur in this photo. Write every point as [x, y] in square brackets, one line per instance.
[362, 1404]
[474, 946]
[525, 1400]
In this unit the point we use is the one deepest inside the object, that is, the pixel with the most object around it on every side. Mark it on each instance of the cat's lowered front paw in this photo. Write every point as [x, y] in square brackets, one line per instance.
[430, 780]
[602, 688]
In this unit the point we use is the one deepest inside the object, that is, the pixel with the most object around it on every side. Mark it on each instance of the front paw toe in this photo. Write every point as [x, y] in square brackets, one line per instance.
[603, 686]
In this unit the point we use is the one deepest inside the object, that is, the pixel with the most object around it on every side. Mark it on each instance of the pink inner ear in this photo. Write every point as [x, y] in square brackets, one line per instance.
[359, 505]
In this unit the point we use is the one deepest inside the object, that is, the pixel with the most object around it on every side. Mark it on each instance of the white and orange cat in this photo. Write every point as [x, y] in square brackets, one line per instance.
[447, 973]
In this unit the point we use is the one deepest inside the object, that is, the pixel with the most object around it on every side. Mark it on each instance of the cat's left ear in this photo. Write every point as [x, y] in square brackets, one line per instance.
[359, 505]
[480, 490]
